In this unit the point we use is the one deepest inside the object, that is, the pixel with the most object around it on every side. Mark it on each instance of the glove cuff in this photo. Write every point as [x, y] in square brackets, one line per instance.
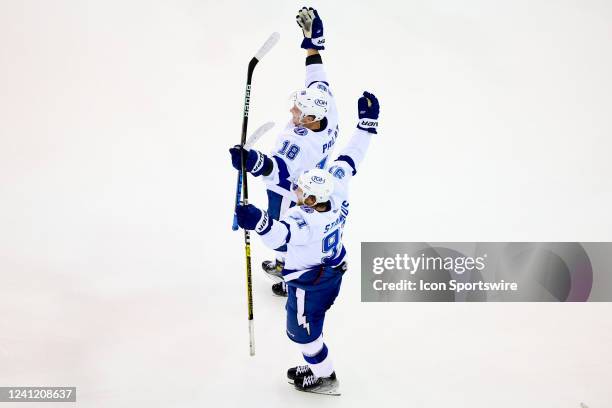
[263, 164]
[313, 43]
[318, 42]
[264, 225]
[369, 125]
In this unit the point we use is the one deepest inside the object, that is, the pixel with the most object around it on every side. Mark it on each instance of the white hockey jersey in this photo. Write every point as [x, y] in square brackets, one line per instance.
[314, 239]
[297, 148]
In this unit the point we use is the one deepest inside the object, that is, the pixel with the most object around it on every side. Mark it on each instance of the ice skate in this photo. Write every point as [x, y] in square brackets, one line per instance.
[318, 385]
[280, 289]
[273, 269]
[298, 371]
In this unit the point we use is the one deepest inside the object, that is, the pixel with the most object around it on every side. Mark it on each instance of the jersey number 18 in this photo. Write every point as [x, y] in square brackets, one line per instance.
[291, 151]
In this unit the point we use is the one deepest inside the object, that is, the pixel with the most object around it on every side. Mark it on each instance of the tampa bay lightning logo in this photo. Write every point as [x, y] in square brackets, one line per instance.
[317, 179]
[301, 223]
[300, 130]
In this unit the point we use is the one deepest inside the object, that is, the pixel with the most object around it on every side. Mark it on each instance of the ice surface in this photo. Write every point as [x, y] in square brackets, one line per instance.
[119, 270]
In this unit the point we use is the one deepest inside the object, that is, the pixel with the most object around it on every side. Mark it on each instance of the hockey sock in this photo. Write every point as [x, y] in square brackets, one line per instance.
[280, 256]
[317, 356]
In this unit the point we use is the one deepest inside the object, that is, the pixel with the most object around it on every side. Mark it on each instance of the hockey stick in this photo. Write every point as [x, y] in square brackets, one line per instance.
[254, 138]
[249, 143]
[267, 46]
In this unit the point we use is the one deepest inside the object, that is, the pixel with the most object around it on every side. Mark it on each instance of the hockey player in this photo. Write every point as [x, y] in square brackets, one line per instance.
[307, 140]
[315, 261]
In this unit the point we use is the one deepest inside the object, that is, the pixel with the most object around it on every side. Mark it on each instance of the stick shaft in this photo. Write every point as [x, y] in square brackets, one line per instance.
[249, 143]
[245, 201]
[265, 48]
[254, 138]
[238, 193]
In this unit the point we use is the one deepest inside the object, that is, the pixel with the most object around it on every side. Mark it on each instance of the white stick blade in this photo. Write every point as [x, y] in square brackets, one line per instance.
[258, 134]
[267, 46]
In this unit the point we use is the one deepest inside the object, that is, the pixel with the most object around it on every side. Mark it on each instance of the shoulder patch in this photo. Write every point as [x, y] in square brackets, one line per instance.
[302, 131]
[306, 209]
[337, 171]
[300, 222]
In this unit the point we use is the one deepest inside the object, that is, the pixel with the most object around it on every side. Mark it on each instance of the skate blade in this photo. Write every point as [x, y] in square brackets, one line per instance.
[274, 278]
[325, 389]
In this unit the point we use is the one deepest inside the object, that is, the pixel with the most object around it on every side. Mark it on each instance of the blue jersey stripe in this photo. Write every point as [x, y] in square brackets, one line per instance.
[314, 82]
[288, 237]
[283, 174]
[350, 162]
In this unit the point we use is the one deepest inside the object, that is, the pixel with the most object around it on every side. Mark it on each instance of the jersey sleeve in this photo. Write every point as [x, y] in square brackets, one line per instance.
[292, 228]
[315, 72]
[344, 168]
[342, 173]
[354, 152]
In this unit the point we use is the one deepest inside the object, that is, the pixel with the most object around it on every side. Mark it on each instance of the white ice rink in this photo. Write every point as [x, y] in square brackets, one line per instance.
[119, 272]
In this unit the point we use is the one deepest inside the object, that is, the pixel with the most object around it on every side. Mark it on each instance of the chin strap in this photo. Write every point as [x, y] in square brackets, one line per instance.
[305, 197]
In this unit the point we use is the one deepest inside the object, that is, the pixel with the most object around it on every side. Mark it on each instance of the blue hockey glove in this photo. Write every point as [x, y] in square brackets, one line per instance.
[252, 218]
[368, 110]
[235, 153]
[257, 163]
[312, 28]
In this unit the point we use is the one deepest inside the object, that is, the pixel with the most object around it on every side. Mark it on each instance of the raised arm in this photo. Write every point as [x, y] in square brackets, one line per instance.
[312, 27]
[344, 168]
[353, 153]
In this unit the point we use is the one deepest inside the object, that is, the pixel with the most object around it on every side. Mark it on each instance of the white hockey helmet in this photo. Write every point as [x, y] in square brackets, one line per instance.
[317, 183]
[311, 102]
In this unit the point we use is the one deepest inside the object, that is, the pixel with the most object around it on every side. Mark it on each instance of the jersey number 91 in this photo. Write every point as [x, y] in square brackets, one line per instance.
[330, 244]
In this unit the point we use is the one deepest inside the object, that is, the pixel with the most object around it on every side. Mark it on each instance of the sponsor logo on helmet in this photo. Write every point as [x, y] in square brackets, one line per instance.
[317, 179]
[320, 102]
[300, 131]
